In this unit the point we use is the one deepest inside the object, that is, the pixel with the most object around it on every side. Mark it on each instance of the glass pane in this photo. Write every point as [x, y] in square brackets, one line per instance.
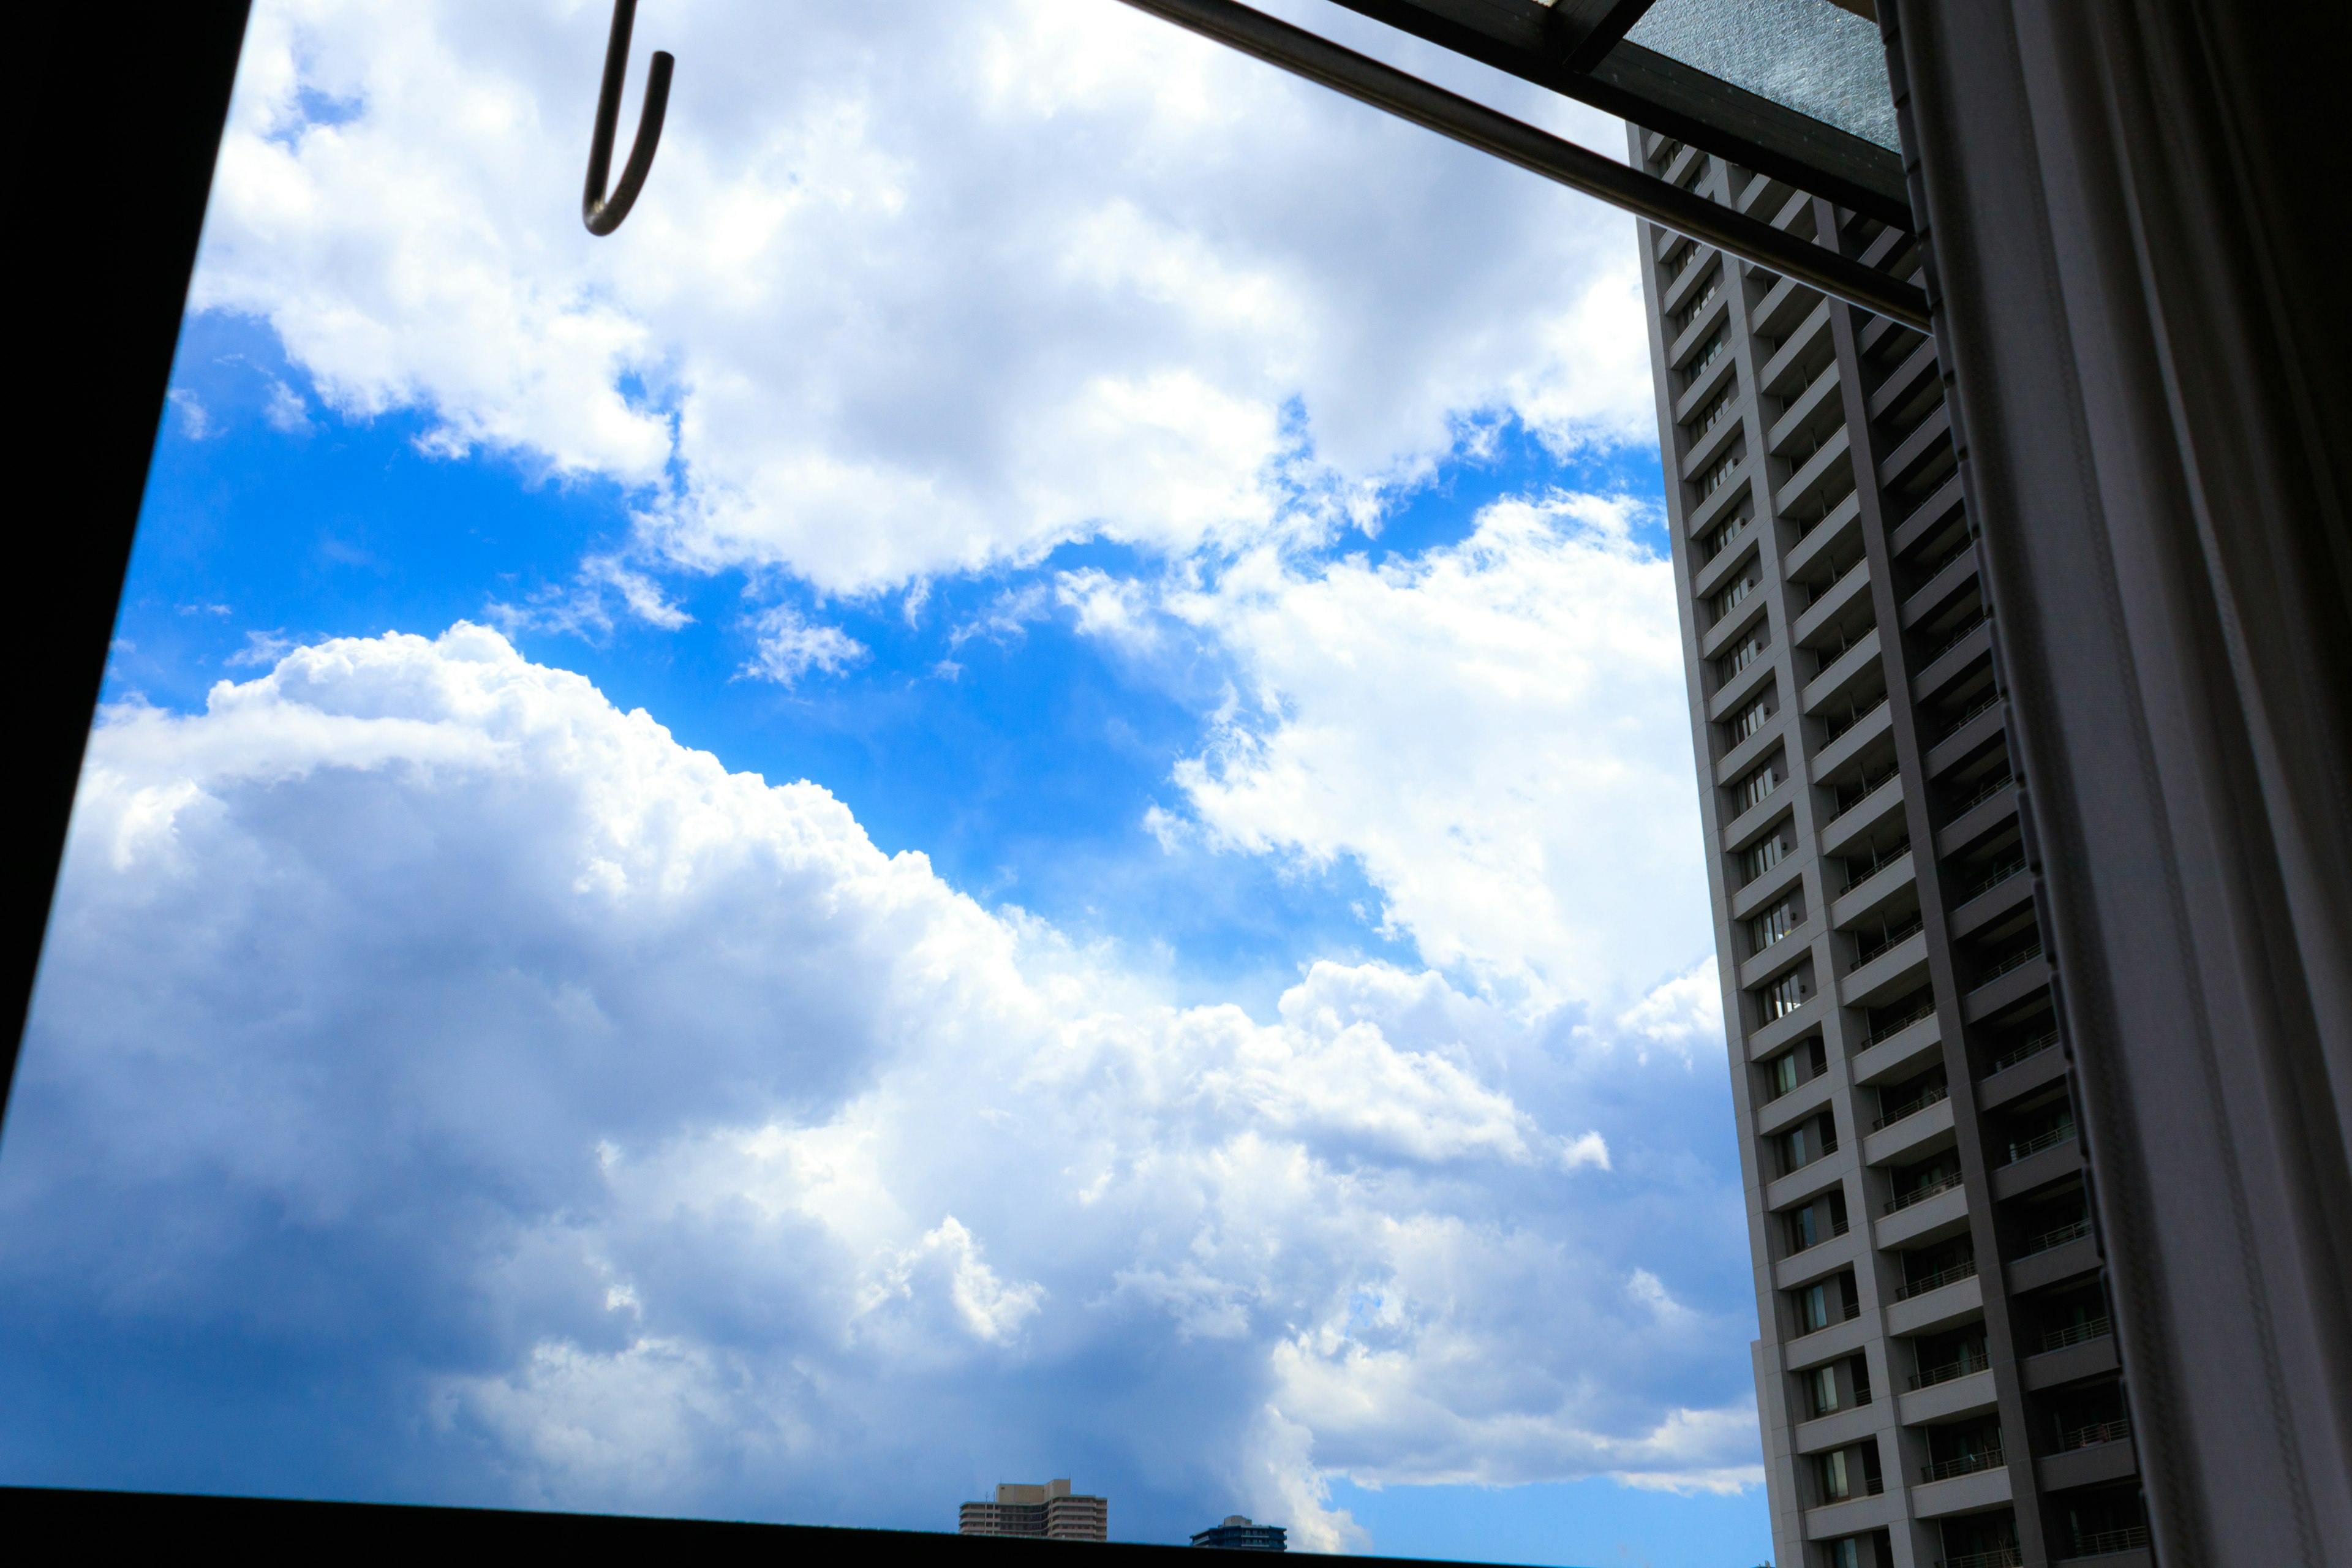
[1810, 56]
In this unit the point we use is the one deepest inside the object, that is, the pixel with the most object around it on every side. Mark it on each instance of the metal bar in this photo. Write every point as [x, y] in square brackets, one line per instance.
[1367, 80]
[1531, 41]
[1615, 22]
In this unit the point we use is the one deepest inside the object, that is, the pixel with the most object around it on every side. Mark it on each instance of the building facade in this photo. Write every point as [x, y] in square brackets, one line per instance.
[1238, 1534]
[1937, 1376]
[1049, 1513]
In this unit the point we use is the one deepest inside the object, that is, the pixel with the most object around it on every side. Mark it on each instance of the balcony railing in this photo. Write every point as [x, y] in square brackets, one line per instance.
[2097, 1328]
[1928, 573]
[1831, 728]
[1895, 1026]
[1949, 643]
[2074, 1231]
[1870, 787]
[1960, 723]
[2108, 1542]
[1887, 941]
[2020, 1052]
[1998, 1557]
[2019, 1149]
[1902, 1201]
[2008, 870]
[1978, 799]
[2092, 1433]
[1910, 1108]
[1837, 575]
[1971, 1361]
[1938, 1280]
[2017, 960]
[1879, 860]
[1962, 1464]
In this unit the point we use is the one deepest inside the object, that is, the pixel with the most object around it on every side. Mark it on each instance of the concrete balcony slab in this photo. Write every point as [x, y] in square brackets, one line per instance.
[1913, 1138]
[1950, 1401]
[1945, 1210]
[1985, 908]
[1945, 1307]
[1940, 590]
[1841, 672]
[1864, 899]
[2037, 1170]
[1750, 752]
[1851, 826]
[1961, 1494]
[2021, 1078]
[1805, 486]
[1840, 598]
[2077, 1256]
[2003, 991]
[1834, 1519]
[1817, 1262]
[2091, 1467]
[1871, 728]
[1915, 449]
[1994, 811]
[1838, 1429]
[1780, 1031]
[1893, 973]
[1779, 1115]
[1735, 626]
[2092, 1358]
[1951, 749]
[1774, 884]
[1901, 1053]
[1830, 534]
[1953, 662]
[1809, 1181]
[1930, 516]
[1822, 1346]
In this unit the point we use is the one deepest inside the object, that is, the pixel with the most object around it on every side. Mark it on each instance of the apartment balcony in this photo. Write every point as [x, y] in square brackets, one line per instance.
[2010, 984]
[1938, 668]
[2110, 1548]
[1808, 490]
[1912, 1136]
[1836, 1430]
[2056, 1159]
[1862, 816]
[1839, 1251]
[1998, 1557]
[1862, 898]
[1834, 532]
[1924, 519]
[1835, 599]
[1900, 1052]
[1889, 974]
[2064, 1260]
[1807, 1182]
[1868, 1509]
[1775, 377]
[1807, 1098]
[1991, 897]
[1843, 676]
[1952, 1394]
[1962, 1464]
[1936, 1281]
[1963, 1491]
[1915, 1219]
[2068, 1363]
[1947, 1306]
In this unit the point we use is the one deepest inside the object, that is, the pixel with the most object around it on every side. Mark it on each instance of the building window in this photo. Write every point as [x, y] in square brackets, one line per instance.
[1751, 648]
[1761, 857]
[1783, 996]
[1723, 603]
[1724, 538]
[1716, 477]
[1752, 791]
[1750, 722]
[1773, 925]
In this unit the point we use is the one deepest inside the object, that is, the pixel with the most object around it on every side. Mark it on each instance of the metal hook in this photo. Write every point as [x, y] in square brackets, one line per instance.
[603, 215]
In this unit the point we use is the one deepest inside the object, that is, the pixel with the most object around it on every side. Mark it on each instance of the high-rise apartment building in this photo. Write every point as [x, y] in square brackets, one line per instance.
[1237, 1534]
[1937, 1376]
[1050, 1512]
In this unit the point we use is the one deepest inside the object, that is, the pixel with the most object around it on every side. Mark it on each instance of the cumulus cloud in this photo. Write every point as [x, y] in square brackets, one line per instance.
[787, 646]
[689, 1153]
[1495, 730]
[914, 288]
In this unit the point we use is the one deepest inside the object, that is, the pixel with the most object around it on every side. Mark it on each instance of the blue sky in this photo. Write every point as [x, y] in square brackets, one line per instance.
[1150, 927]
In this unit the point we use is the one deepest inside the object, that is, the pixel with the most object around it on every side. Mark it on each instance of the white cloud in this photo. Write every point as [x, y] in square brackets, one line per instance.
[1681, 1013]
[786, 647]
[914, 288]
[713, 1159]
[1495, 730]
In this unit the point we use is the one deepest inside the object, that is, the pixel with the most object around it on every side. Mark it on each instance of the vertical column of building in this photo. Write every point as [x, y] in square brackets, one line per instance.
[1902, 1114]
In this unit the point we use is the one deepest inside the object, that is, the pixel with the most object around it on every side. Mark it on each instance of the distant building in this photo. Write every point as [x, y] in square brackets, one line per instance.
[1049, 1513]
[1238, 1534]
